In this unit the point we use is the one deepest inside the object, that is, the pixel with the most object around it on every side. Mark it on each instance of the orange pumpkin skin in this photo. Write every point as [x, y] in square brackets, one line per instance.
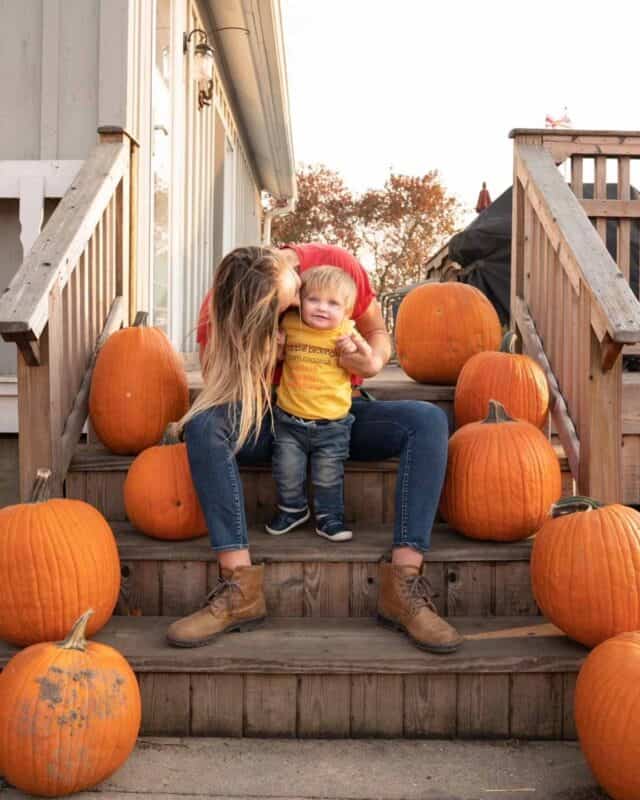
[56, 559]
[516, 381]
[440, 326]
[138, 386]
[68, 718]
[585, 572]
[606, 702]
[159, 495]
[502, 479]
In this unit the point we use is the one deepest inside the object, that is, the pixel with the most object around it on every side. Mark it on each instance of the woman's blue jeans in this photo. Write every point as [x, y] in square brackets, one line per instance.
[413, 431]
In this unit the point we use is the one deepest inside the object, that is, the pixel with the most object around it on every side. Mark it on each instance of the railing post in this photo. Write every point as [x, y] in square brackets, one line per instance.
[517, 251]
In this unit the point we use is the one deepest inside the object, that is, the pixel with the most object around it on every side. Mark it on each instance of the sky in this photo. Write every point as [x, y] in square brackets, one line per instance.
[416, 85]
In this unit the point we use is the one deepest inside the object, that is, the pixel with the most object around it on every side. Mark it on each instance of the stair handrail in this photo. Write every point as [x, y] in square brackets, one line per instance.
[574, 311]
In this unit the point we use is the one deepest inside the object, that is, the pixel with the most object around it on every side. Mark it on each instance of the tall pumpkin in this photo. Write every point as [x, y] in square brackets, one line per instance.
[502, 477]
[440, 326]
[585, 569]
[159, 495]
[69, 715]
[516, 381]
[606, 705]
[138, 386]
[57, 557]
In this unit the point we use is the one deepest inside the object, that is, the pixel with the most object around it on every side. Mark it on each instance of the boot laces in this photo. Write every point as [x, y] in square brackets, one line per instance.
[222, 594]
[421, 593]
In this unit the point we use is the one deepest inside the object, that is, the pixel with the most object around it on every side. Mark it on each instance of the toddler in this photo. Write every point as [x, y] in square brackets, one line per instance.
[312, 419]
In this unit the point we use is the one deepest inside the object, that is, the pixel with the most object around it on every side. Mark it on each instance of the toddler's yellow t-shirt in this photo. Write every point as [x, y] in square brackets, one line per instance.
[313, 385]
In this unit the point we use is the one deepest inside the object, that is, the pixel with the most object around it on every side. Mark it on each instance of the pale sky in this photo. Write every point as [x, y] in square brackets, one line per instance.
[415, 85]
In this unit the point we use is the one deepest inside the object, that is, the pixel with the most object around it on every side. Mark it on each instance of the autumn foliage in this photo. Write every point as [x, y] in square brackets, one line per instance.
[394, 230]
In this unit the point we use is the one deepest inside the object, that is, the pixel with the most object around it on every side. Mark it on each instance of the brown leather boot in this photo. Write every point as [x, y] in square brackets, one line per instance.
[404, 603]
[236, 603]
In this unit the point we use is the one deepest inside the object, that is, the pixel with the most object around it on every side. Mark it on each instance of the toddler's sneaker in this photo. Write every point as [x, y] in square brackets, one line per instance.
[286, 520]
[333, 529]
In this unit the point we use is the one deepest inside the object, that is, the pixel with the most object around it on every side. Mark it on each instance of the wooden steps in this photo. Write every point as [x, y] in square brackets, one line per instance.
[512, 677]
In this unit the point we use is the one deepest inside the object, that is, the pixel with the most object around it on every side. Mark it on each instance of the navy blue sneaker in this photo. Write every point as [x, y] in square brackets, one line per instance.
[333, 529]
[285, 521]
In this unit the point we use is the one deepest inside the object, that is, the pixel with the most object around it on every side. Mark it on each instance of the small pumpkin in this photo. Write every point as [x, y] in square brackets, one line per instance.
[585, 569]
[517, 381]
[57, 557]
[138, 387]
[502, 477]
[159, 495]
[607, 697]
[69, 715]
[440, 326]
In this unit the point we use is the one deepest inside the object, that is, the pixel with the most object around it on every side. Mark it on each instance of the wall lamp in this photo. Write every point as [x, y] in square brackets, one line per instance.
[202, 65]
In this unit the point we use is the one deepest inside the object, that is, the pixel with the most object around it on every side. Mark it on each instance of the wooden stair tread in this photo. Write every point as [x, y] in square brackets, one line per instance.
[344, 646]
[370, 543]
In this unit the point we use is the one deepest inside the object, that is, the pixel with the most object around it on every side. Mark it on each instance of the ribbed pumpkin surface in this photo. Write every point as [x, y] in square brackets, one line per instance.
[607, 713]
[138, 386]
[160, 497]
[56, 560]
[501, 480]
[516, 381]
[585, 571]
[440, 326]
[68, 719]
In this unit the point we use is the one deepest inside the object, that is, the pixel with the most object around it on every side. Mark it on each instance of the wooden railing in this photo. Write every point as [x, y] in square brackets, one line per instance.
[69, 294]
[571, 303]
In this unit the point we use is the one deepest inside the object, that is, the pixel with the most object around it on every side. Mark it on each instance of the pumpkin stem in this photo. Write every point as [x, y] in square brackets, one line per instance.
[571, 505]
[509, 342]
[141, 319]
[41, 490]
[77, 639]
[497, 413]
[172, 434]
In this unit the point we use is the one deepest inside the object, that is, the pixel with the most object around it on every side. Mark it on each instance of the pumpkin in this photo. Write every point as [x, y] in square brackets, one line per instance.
[57, 557]
[69, 715]
[159, 495]
[606, 702]
[517, 381]
[440, 326]
[138, 386]
[585, 569]
[502, 477]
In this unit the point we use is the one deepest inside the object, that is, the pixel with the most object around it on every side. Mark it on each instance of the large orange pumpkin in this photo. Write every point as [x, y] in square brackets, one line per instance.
[607, 700]
[138, 386]
[516, 381]
[69, 715]
[57, 557]
[440, 326]
[585, 569]
[160, 497]
[502, 478]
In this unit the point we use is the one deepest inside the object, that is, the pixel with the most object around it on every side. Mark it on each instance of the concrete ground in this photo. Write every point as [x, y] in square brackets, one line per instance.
[247, 769]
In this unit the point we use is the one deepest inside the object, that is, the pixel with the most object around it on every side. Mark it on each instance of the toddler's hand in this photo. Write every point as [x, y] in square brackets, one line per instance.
[346, 345]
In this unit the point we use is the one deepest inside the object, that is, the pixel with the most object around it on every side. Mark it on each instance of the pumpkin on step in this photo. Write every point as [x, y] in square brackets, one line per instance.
[159, 495]
[502, 477]
[516, 381]
[607, 699]
[57, 557]
[585, 569]
[440, 326]
[138, 387]
[69, 715]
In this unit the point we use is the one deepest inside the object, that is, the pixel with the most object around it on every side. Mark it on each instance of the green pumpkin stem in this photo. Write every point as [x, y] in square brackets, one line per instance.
[141, 319]
[172, 434]
[572, 505]
[509, 343]
[497, 413]
[41, 490]
[77, 639]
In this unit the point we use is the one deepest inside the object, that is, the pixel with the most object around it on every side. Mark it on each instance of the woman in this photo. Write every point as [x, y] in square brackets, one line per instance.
[230, 424]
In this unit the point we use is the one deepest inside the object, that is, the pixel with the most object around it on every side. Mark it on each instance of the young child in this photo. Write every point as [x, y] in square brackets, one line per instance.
[312, 419]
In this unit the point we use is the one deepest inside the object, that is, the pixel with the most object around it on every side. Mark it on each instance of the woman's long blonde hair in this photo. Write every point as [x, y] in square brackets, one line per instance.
[242, 348]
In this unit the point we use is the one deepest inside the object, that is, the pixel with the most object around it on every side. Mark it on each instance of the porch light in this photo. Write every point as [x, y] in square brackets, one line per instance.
[202, 66]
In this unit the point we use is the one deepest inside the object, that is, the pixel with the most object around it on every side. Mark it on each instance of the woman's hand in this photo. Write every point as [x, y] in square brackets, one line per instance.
[357, 357]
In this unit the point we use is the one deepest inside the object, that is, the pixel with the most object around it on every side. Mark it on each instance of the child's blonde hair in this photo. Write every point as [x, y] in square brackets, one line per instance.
[323, 279]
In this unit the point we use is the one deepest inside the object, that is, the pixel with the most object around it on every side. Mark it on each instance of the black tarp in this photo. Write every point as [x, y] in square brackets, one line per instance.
[483, 249]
